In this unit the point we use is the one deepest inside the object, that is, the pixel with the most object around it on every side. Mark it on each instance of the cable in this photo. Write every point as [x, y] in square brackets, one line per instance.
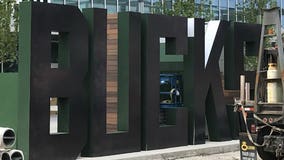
[249, 134]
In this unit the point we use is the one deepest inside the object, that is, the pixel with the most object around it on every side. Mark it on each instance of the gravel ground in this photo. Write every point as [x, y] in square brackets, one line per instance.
[223, 156]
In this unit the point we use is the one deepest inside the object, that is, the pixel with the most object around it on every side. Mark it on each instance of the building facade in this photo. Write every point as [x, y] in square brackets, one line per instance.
[220, 9]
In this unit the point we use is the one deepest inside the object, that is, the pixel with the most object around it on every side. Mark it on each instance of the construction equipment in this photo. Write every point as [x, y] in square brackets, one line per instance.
[7, 141]
[268, 103]
[171, 92]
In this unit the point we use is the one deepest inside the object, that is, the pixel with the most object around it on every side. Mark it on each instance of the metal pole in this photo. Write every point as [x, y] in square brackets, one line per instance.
[236, 10]
[281, 12]
[247, 91]
[228, 11]
[219, 8]
[242, 89]
[117, 5]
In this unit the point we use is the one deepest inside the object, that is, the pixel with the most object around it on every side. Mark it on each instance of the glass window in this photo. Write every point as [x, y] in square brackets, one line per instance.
[99, 4]
[203, 9]
[134, 5]
[275, 3]
[147, 6]
[123, 5]
[85, 4]
[111, 6]
[57, 1]
[232, 10]
[197, 7]
[157, 6]
[239, 7]
[207, 11]
[197, 1]
[168, 4]
[215, 9]
[72, 2]
[224, 9]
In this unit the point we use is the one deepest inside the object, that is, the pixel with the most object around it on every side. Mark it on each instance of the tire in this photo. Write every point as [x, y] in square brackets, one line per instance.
[264, 155]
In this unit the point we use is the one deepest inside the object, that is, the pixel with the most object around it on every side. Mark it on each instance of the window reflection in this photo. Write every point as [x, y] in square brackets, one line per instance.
[224, 9]
[168, 4]
[134, 5]
[57, 1]
[219, 9]
[111, 6]
[147, 6]
[215, 9]
[85, 4]
[232, 10]
[99, 3]
[239, 8]
[72, 2]
[123, 5]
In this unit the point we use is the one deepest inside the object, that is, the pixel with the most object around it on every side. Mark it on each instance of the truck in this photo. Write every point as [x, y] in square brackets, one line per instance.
[268, 103]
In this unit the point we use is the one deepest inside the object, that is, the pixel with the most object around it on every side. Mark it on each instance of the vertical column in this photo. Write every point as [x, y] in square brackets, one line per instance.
[174, 29]
[39, 81]
[127, 138]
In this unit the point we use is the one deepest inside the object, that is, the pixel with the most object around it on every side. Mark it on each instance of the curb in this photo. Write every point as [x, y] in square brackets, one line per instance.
[176, 152]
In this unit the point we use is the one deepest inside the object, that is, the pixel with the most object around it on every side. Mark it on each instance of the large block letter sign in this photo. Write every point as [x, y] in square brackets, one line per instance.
[174, 29]
[194, 79]
[240, 34]
[201, 70]
[40, 80]
[127, 139]
[215, 111]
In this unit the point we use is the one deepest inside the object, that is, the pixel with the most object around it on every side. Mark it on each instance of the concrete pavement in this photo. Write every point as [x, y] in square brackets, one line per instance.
[181, 153]
[222, 156]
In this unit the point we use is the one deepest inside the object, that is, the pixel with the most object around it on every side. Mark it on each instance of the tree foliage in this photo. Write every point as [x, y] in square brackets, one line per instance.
[185, 8]
[252, 10]
[8, 30]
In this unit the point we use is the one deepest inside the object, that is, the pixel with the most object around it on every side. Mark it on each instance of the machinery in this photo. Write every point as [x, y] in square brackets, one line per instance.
[268, 104]
[171, 95]
[170, 90]
[7, 141]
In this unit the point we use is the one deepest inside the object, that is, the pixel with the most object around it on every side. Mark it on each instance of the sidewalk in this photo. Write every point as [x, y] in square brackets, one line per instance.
[222, 156]
[176, 153]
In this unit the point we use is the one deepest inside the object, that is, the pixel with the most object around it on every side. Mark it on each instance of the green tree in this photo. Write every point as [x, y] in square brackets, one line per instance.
[253, 9]
[8, 31]
[182, 8]
[185, 8]
[203, 10]
[252, 12]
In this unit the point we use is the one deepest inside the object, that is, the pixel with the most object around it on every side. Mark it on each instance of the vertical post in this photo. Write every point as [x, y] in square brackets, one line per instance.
[117, 3]
[247, 88]
[242, 88]
[228, 10]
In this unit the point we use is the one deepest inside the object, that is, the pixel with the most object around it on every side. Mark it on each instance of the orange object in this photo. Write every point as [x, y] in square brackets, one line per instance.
[270, 31]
